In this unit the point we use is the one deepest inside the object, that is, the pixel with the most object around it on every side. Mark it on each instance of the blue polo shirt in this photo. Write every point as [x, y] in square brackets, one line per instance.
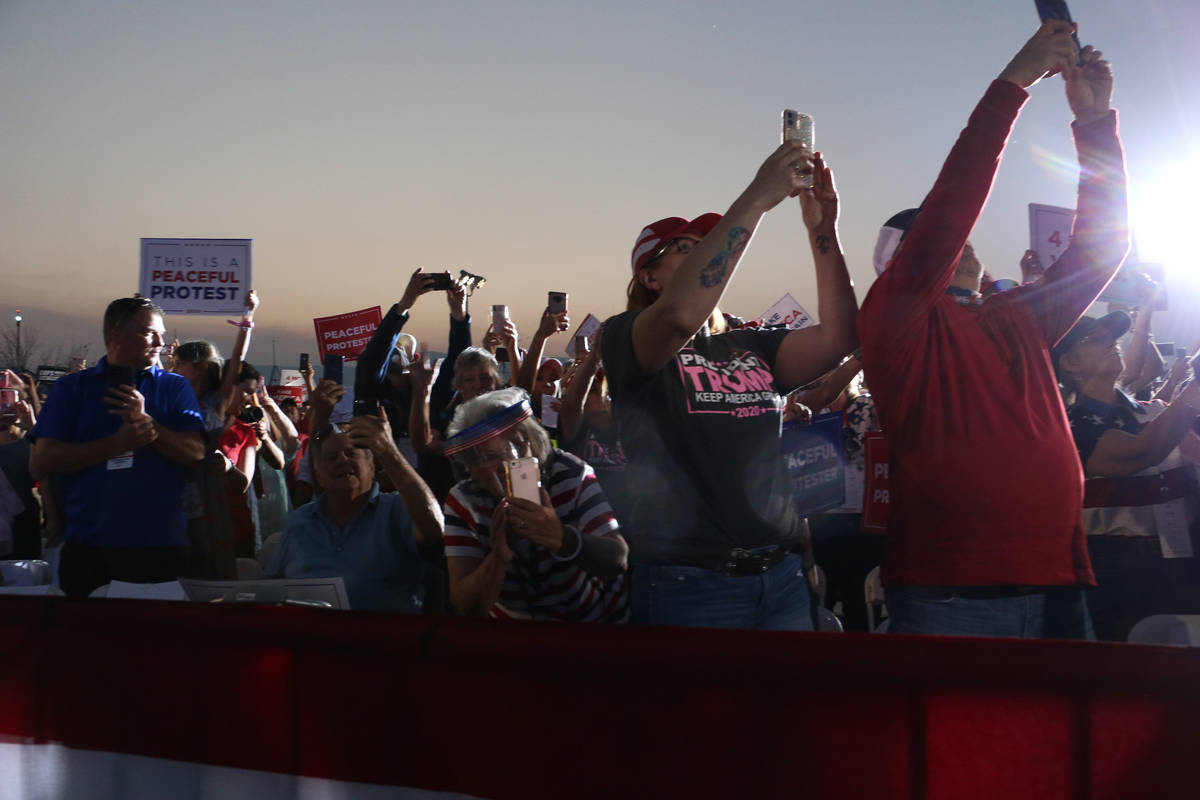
[140, 506]
[376, 556]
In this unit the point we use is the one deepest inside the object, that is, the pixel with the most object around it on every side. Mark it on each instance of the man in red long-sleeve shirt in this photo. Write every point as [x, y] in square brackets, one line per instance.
[985, 536]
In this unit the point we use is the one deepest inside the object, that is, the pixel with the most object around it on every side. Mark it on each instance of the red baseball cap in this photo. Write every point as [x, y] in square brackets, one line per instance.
[657, 234]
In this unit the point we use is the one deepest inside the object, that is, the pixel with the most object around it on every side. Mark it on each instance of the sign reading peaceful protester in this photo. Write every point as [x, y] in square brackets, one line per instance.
[346, 334]
[196, 276]
[815, 457]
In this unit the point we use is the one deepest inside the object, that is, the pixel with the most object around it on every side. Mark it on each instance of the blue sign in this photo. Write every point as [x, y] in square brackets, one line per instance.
[815, 455]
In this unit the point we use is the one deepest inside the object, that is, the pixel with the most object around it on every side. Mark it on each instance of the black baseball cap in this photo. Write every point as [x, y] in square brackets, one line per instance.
[1117, 324]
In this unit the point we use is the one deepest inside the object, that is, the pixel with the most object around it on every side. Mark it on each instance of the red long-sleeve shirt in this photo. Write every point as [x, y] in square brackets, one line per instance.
[986, 487]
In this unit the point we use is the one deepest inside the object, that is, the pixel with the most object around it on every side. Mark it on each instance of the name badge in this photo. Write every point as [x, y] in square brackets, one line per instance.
[123, 461]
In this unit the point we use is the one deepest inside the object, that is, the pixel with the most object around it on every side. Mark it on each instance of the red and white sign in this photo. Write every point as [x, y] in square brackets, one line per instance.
[789, 313]
[346, 334]
[291, 384]
[877, 499]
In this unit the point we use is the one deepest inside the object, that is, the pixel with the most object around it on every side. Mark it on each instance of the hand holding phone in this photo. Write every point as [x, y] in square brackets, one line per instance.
[334, 369]
[799, 127]
[304, 362]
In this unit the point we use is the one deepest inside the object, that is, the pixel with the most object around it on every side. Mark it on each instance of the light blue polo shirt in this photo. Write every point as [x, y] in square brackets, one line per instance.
[376, 556]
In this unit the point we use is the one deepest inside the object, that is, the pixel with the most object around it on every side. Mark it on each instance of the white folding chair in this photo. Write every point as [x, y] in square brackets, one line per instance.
[31, 572]
[873, 594]
[1179, 630]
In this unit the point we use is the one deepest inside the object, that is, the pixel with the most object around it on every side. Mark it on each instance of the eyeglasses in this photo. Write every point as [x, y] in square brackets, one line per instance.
[682, 244]
[514, 449]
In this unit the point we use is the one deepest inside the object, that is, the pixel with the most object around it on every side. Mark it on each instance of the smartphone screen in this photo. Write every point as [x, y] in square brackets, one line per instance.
[333, 369]
[1166, 349]
[441, 281]
[557, 302]
[499, 317]
[522, 479]
[303, 361]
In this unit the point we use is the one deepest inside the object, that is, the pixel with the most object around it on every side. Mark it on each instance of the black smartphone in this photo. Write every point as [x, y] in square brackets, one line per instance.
[441, 281]
[120, 375]
[557, 302]
[366, 407]
[303, 361]
[333, 369]
[1166, 349]
[1056, 9]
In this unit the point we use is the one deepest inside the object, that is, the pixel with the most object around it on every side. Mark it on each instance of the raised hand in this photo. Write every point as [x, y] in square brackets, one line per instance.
[536, 522]
[424, 372]
[819, 205]
[1051, 49]
[371, 432]
[1089, 85]
[418, 284]
[456, 297]
[781, 175]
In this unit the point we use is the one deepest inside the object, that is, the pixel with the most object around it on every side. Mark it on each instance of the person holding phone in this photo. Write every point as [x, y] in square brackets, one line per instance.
[986, 535]
[714, 523]
[1139, 497]
[562, 558]
[121, 434]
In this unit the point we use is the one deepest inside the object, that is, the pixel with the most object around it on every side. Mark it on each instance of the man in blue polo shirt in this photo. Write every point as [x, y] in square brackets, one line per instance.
[121, 449]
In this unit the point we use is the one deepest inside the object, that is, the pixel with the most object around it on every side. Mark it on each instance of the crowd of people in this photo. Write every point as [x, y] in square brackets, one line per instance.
[1032, 493]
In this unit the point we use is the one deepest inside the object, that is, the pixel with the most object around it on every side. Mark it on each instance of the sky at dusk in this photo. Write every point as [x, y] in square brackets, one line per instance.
[529, 142]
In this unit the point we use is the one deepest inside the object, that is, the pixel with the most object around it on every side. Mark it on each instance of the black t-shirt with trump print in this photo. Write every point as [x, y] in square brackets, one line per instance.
[702, 438]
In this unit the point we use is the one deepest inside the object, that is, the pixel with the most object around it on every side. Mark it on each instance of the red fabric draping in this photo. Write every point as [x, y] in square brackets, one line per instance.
[528, 710]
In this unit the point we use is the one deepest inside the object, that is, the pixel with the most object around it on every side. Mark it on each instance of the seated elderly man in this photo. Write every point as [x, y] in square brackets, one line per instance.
[1139, 498]
[560, 559]
[374, 541]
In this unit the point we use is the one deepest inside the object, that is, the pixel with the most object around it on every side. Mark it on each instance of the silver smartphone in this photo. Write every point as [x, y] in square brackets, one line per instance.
[799, 126]
[522, 479]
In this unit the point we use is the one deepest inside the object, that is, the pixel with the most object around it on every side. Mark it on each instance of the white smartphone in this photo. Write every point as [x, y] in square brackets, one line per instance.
[799, 126]
[522, 479]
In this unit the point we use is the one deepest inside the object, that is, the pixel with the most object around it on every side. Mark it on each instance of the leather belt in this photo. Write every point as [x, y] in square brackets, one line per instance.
[740, 562]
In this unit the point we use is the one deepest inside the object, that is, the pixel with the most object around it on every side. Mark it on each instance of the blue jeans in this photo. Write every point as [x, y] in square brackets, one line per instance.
[1049, 612]
[779, 599]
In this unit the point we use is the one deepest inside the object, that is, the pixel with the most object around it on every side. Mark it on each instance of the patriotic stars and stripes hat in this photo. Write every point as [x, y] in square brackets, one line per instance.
[654, 238]
[493, 426]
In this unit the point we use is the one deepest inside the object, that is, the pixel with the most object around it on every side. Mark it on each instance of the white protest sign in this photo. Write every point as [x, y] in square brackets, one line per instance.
[789, 313]
[196, 276]
[588, 328]
[1049, 231]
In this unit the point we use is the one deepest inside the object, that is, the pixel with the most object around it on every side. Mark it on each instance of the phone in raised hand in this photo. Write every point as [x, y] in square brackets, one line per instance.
[522, 479]
[799, 127]
[1057, 9]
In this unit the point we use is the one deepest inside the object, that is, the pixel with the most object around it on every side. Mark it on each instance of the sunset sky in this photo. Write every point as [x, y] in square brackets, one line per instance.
[529, 142]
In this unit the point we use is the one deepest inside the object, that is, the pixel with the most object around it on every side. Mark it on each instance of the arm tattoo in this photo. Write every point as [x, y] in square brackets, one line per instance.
[714, 271]
[822, 243]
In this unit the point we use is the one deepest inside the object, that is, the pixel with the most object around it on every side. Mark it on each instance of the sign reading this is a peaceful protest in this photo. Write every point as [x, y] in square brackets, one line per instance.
[196, 276]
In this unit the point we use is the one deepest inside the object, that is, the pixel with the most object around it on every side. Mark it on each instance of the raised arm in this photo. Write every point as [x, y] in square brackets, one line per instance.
[424, 374]
[1100, 238]
[688, 297]
[459, 339]
[549, 325]
[241, 345]
[1118, 453]
[806, 353]
[375, 358]
[375, 434]
[1139, 343]
[570, 414]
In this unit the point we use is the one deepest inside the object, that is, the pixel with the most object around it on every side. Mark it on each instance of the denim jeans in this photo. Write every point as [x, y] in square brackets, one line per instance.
[1050, 612]
[779, 599]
